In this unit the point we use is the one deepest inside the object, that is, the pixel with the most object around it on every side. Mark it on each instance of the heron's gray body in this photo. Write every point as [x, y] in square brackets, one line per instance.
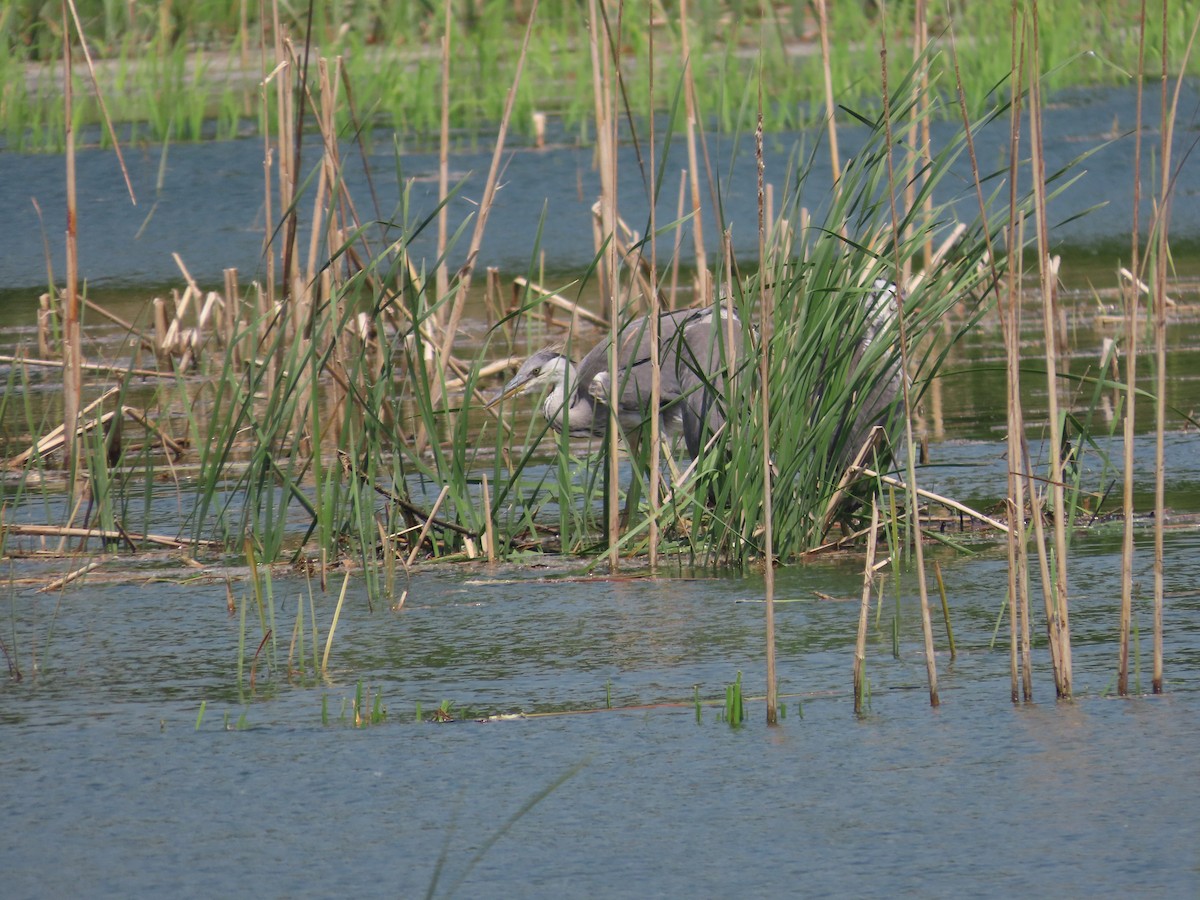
[696, 349]
[691, 363]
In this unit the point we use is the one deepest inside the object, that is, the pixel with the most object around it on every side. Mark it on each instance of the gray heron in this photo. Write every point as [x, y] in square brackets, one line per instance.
[696, 349]
[692, 355]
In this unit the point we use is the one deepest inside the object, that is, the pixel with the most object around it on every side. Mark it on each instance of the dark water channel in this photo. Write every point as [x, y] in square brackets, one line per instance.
[116, 787]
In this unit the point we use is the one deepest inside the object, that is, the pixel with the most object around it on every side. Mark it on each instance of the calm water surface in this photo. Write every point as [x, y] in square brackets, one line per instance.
[109, 783]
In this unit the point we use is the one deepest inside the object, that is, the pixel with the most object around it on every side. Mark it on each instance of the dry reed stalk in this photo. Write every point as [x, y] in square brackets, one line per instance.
[827, 71]
[1008, 303]
[673, 294]
[60, 583]
[442, 275]
[1018, 477]
[766, 316]
[919, 131]
[690, 119]
[1058, 616]
[577, 311]
[489, 534]
[160, 540]
[429, 520]
[1162, 262]
[909, 442]
[72, 335]
[632, 260]
[492, 294]
[860, 647]
[88, 367]
[603, 98]
[1132, 296]
[936, 498]
[652, 534]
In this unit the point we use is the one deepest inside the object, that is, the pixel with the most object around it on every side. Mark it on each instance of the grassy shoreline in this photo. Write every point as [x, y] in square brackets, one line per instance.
[198, 74]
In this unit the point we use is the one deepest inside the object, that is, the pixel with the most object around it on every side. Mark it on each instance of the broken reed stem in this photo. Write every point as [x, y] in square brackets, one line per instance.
[412, 556]
[103, 534]
[860, 648]
[87, 367]
[937, 574]
[576, 310]
[60, 583]
[1058, 617]
[909, 442]
[489, 534]
[337, 613]
[936, 498]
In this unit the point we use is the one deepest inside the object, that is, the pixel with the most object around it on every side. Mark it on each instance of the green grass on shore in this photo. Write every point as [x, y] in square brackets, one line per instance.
[191, 69]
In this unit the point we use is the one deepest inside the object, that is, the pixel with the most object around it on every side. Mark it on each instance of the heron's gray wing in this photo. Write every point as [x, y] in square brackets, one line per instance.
[703, 349]
[635, 370]
[876, 363]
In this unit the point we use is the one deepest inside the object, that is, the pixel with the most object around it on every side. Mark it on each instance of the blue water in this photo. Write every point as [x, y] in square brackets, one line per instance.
[110, 785]
[209, 207]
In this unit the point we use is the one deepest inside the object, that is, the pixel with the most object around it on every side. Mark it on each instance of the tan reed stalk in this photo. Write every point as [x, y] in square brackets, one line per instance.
[290, 134]
[442, 277]
[269, 75]
[1058, 617]
[602, 93]
[652, 535]
[1018, 449]
[330, 275]
[1008, 303]
[766, 317]
[1162, 261]
[72, 335]
[612, 61]
[689, 102]
[1132, 296]
[830, 120]
[909, 442]
[489, 533]
[864, 609]
[916, 146]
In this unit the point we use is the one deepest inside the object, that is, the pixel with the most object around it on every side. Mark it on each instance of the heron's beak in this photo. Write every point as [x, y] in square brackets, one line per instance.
[515, 386]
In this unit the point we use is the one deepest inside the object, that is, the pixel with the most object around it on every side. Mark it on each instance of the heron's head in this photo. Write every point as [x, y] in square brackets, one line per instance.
[547, 367]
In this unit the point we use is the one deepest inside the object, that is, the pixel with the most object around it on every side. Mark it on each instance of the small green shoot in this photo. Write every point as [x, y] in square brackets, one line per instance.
[735, 710]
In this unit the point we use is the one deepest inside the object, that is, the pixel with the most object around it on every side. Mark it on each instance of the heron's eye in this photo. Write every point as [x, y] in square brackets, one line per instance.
[536, 372]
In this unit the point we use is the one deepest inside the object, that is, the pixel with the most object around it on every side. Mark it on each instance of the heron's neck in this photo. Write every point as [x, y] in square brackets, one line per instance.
[578, 415]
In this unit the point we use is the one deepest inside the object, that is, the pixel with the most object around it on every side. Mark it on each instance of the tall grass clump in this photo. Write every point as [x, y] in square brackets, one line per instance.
[833, 347]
